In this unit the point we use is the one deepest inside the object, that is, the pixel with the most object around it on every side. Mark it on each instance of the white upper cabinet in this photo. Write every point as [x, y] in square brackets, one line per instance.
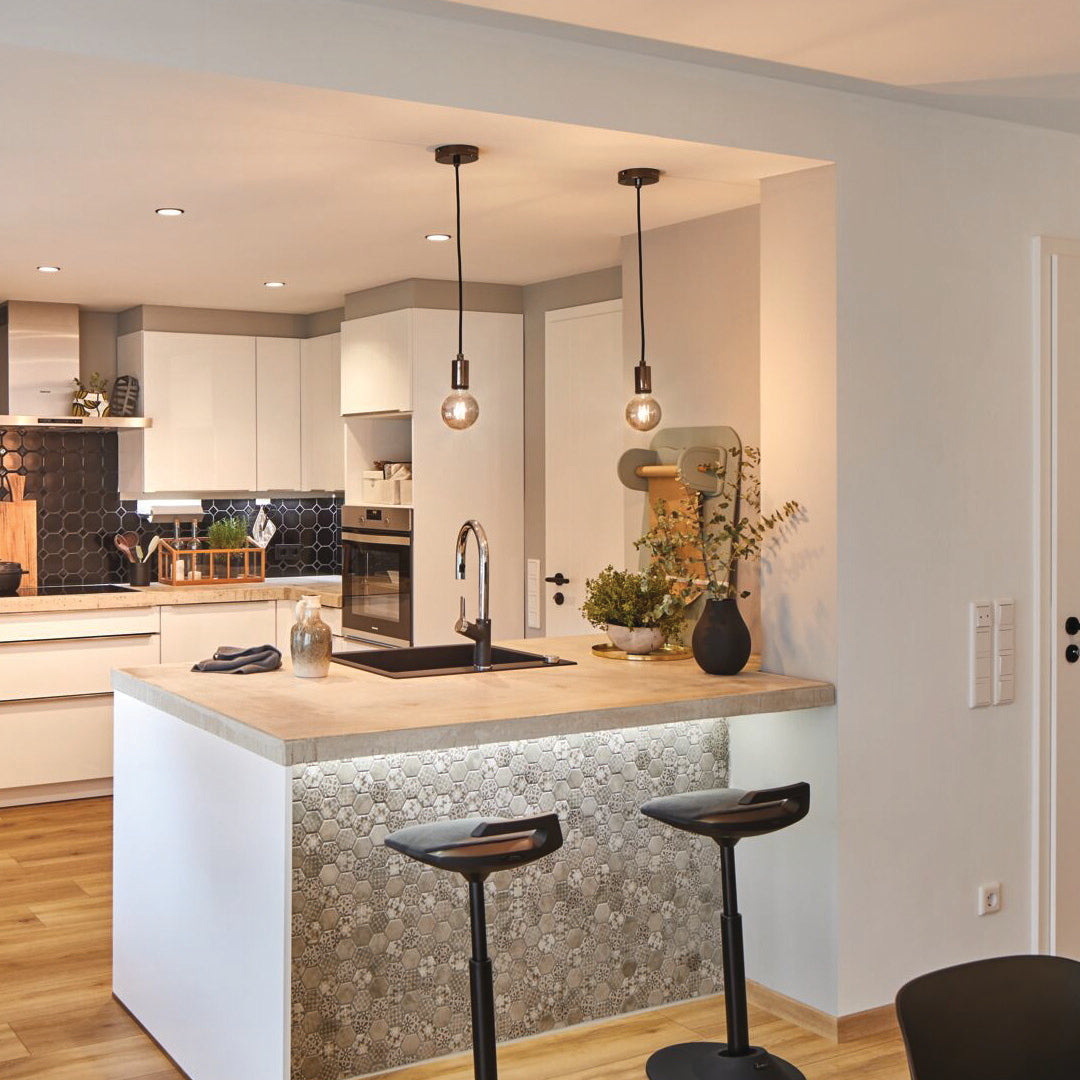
[200, 391]
[277, 425]
[322, 431]
[376, 364]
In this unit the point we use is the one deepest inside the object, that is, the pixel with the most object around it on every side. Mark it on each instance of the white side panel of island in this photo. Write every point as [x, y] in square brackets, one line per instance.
[201, 894]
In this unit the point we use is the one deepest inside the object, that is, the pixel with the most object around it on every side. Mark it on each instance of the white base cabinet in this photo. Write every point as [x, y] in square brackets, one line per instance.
[54, 741]
[192, 632]
[56, 699]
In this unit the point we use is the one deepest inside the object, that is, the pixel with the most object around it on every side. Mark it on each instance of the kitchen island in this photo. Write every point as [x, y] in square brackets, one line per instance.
[262, 928]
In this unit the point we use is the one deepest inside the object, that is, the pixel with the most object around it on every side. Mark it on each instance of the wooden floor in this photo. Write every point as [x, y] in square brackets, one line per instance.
[58, 1020]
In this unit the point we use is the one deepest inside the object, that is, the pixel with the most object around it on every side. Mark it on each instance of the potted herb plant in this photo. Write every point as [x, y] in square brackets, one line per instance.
[91, 398]
[227, 533]
[695, 546]
[635, 608]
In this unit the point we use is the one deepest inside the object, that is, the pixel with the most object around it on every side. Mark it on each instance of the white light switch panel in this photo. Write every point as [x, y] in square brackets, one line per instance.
[981, 654]
[532, 594]
[1004, 652]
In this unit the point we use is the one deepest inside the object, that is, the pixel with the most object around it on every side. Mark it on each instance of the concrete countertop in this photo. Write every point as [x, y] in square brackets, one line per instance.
[286, 588]
[353, 713]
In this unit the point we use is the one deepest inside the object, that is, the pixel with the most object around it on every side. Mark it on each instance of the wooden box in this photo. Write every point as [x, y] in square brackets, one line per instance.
[195, 562]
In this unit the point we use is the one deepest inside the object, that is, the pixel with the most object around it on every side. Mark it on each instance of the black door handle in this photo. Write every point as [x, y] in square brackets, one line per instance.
[560, 599]
[1072, 626]
[1072, 653]
[558, 579]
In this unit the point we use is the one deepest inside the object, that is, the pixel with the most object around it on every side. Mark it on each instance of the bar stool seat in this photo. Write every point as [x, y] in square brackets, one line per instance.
[728, 815]
[479, 846]
[475, 848]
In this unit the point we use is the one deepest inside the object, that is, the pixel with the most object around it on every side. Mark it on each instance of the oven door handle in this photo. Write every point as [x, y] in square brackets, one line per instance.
[377, 538]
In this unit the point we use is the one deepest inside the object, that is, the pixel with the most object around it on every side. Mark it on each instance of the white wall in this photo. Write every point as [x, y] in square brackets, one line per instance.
[701, 320]
[935, 406]
[789, 881]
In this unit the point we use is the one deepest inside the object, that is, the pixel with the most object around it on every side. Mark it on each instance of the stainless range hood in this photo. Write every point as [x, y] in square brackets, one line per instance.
[39, 361]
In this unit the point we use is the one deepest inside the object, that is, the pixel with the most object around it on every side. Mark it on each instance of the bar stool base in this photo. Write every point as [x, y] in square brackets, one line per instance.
[710, 1061]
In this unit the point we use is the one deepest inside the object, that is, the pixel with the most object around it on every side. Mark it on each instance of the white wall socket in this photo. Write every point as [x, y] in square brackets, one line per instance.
[990, 898]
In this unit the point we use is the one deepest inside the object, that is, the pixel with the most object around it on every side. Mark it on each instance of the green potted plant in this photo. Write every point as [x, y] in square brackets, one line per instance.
[635, 608]
[91, 398]
[227, 533]
[699, 548]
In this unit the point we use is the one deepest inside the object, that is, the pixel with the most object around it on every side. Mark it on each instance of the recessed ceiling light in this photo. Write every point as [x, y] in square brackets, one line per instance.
[169, 211]
[274, 284]
[49, 269]
[437, 237]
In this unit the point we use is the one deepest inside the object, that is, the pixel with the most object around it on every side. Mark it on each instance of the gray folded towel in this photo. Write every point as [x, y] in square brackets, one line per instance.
[237, 661]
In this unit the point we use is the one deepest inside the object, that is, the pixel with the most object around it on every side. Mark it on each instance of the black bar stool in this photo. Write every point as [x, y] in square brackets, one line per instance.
[727, 815]
[474, 848]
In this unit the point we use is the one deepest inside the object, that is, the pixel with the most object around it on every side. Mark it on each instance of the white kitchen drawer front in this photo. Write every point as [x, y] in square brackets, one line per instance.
[190, 633]
[46, 625]
[55, 742]
[66, 666]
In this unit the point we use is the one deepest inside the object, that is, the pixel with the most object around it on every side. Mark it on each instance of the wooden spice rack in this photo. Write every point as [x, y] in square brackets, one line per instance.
[195, 562]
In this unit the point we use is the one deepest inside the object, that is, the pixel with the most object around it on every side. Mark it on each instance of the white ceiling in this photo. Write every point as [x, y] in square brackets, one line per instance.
[904, 42]
[1016, 59]
[330, 192]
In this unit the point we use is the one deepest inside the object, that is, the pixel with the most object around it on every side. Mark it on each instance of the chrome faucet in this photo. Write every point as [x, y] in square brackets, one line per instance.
[479, 631]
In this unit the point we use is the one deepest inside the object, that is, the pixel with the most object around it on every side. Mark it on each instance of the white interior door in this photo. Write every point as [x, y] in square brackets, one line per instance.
[583, 440]
[1065, 674]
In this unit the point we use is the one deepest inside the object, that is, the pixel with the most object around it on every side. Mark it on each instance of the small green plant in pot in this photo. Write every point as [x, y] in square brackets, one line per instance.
[227, 533]
[635, 608]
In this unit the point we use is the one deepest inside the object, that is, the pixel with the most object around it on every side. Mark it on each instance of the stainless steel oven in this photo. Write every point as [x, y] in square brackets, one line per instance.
[376, 574]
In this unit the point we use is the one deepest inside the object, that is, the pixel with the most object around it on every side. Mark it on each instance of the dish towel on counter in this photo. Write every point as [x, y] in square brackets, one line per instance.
[236, 661]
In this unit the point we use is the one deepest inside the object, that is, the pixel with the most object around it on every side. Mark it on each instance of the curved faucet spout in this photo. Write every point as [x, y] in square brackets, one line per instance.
[480, 631]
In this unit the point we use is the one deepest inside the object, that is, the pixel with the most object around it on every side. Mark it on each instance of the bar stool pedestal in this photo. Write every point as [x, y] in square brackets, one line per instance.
[726, 816]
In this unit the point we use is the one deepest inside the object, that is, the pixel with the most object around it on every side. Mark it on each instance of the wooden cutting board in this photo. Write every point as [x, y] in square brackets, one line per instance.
[18, 531]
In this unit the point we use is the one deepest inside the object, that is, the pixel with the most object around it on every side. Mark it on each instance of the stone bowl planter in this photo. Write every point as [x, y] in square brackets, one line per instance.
[635, 639]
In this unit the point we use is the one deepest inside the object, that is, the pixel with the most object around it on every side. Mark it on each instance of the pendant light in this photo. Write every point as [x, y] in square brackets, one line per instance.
[642, 410]
[460, 409]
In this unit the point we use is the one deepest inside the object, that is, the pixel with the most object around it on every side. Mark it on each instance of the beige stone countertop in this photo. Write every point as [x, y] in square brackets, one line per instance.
[353, 713]
[285, 588]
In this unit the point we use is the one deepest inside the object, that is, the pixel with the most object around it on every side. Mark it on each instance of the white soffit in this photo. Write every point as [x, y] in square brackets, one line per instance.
[327, 191]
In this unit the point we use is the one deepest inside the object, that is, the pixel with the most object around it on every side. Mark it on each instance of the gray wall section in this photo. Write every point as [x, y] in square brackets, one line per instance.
[544, 296]
[97, 344]
[183, 320]
[433, 293]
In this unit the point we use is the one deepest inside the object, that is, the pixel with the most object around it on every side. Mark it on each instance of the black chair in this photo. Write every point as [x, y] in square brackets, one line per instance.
[1009, 1018]
[727, 816]
[474, 848]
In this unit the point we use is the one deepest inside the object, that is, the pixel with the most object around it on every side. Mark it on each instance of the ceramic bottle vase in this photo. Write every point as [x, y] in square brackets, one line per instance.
[721, 640]
[309, 641]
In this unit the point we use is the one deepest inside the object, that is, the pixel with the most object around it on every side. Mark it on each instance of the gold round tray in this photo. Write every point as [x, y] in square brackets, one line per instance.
[665, 652]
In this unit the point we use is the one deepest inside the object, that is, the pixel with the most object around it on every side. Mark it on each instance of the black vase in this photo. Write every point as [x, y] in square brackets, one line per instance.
[721, 640]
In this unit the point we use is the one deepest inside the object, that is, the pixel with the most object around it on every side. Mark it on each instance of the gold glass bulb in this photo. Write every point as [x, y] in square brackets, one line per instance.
[460, 410]
[643, 412]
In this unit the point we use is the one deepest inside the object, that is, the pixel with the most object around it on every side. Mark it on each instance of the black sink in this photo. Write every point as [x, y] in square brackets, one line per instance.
[441, 660]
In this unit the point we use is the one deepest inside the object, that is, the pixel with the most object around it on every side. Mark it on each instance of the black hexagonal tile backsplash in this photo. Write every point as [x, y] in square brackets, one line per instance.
[72, 475]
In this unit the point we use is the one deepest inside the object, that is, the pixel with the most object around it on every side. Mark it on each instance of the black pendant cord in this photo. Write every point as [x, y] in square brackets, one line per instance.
[457, 235]
[640, 271]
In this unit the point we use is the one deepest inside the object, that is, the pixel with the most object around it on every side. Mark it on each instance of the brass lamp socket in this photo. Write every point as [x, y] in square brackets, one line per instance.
[643, 379]
[459, 373]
